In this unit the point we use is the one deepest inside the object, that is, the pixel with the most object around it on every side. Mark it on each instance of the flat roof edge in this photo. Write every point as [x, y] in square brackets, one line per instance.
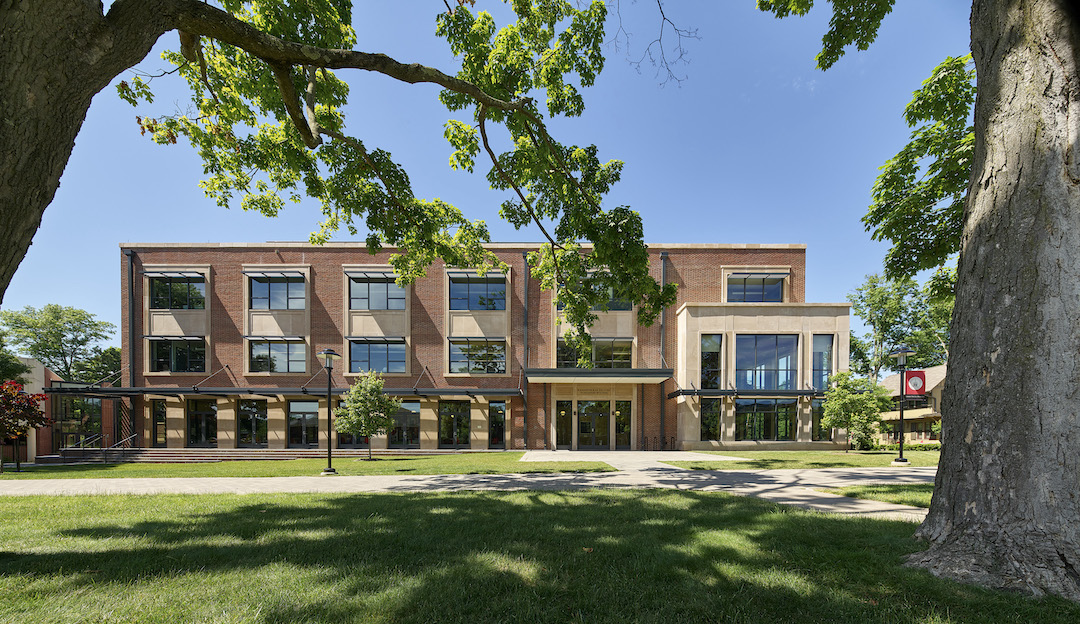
[523, 245]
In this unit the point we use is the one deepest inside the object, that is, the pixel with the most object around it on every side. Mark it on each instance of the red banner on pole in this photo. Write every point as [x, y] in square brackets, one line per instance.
[915, 382]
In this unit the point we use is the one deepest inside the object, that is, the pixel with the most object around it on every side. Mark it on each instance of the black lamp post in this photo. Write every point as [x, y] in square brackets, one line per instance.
[901, 354]
[329, 355]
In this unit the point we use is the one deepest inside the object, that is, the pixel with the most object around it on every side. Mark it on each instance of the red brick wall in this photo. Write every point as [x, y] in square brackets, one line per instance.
[697, 271]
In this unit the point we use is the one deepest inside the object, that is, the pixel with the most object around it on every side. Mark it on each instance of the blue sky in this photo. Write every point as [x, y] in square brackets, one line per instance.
[755, 145]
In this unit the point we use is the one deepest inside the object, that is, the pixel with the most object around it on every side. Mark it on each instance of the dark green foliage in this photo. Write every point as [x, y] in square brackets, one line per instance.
[918, 199]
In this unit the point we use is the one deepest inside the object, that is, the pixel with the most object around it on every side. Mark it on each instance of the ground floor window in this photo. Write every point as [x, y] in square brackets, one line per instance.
[454, 424]
[202, 422]
[564, 424]
[251, 423]
[159, 430]
[497, 424]
[303, 424]
[76, 421]
[711, 413]
[405, 432]
[622, 424]
[817, 412]
[765, 419]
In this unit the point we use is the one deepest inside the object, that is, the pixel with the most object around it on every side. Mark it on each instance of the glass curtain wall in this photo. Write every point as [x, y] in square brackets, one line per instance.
[765, 419]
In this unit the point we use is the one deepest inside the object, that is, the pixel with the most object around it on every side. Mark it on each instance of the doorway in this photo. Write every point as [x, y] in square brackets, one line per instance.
[596, 422]
[303, 424]
[202, 423]
[594, 425]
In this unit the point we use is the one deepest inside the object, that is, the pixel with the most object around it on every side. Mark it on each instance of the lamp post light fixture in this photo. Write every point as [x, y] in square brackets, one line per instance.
[329, 355]
[901, 354]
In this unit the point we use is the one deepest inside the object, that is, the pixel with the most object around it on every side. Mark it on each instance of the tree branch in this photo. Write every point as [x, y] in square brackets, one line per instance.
[283, 76]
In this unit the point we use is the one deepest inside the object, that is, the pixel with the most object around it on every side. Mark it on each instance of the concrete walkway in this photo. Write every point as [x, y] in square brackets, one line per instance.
[635, 470]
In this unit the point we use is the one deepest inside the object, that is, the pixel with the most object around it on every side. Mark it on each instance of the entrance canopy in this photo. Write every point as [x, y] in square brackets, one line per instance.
[599, 375]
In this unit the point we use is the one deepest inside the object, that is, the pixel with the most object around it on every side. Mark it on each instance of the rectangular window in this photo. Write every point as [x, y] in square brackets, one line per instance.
[615, 303]
[477, 293]
[178, 293]
[381, 356]
[755, 288]
[277, 356]
[766, 362]
[606, 353]
[710, 361]
[497, 424]
[277, 293]
[158, 426]
[817, 412]
[822, 361]
[375, 293]
[711, 411]
[765, 419]
[477, 355]
[178, 356]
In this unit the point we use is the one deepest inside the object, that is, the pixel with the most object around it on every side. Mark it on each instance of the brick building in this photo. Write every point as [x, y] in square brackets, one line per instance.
[220, 344]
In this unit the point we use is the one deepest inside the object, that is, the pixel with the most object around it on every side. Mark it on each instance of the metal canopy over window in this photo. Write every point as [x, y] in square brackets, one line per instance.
[275, 338]
[378, 339]
[758, 275]
[371, 275]
[189, 338]
[172, 274]
[475, 274]
[296, 274]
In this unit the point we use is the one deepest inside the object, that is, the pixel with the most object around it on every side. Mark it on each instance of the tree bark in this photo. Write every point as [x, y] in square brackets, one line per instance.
[1006, 507]
[56, 55]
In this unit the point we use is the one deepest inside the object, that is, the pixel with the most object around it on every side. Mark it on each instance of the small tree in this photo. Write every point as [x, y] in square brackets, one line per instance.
[367, 411]
[855, 404]
[19, 413]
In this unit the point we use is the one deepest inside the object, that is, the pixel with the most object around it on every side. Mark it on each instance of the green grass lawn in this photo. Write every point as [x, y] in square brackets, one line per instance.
[914, 494]
[771, 460]
[464, 463]
[597, 556]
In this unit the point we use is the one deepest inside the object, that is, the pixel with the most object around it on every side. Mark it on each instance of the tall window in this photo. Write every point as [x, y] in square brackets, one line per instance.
[180, 292]
[497, 424]
[178, 356]
[158, 435]
[277, 356]
[381, 356]
[454, 420]
[375, 292]
[477, 355]
[755, 287]
[277, 293]
[710, 361]
[822, 361]
[766, 362]
[817, 412]
[471, 292]
[710, 419]
[606, 353]
[765, 419]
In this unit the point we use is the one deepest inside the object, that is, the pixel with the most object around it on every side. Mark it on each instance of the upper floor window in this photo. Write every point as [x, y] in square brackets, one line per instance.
[822, 361]
[766, 362]
[606, 353]
[177, 291]
[477, 355]
[277, 356]
[277, 291]
[177, 356]
[755, 287]
[471, 292]
[375, 291]
[710, 361]
[614, 303]
[379, 355]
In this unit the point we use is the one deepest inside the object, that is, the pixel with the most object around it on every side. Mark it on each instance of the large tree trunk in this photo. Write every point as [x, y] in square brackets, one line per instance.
[56, 54]
[1006, 509]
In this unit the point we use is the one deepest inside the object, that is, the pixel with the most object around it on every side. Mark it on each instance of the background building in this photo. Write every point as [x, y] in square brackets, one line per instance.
[921, 413]
[220, 341]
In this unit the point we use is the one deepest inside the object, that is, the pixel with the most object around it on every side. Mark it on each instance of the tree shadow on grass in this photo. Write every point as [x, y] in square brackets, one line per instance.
[553, 556]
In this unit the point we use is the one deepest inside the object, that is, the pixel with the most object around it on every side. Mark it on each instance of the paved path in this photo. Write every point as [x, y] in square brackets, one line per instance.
[635, 470]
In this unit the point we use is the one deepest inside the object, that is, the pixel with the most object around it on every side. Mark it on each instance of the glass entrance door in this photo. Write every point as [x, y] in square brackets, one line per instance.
[405, 432]
[303, 424]
[202, 422]
[593, 425]
[564, 424]
[251, 423]
[454, 424]
[622, 424]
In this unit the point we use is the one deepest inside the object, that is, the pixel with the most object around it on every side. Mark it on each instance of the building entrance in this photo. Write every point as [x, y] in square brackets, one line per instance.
[597, 423]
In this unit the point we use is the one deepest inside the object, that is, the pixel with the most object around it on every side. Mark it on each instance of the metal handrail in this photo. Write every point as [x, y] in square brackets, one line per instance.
[64, 452]
[105, 451]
